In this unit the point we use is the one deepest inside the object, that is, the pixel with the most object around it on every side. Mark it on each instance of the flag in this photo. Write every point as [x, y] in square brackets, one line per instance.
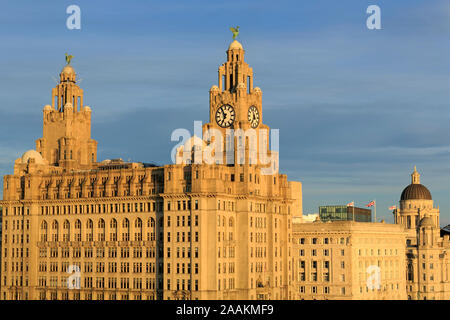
[392, 207]
[351, 204]
[371, 203]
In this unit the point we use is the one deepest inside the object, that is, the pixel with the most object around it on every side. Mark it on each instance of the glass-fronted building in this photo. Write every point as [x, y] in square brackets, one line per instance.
[342, 212]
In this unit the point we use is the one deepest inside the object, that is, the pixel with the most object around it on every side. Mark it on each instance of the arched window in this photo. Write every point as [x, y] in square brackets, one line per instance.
[43, 231]
[77, 230]
[151, 230]
[66, 230]
[138, 230]
[101, 230]
[90, 230]
[113, 230]
[125, 230]
[138, 223]
[55, 230]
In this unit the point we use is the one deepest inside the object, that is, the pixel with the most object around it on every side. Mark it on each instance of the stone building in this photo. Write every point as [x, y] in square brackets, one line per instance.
[427, 261]
[332, 259]
[76, 228]
[338, 260]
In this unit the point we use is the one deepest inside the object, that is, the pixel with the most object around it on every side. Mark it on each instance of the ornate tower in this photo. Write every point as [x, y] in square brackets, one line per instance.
[66, 140]
[416, 203]
[236, 107]
[420, 219]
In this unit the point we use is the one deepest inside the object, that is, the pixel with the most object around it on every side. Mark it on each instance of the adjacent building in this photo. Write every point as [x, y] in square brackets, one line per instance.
[332, 260]
[343, 212]
[352, 260]
[427, 251]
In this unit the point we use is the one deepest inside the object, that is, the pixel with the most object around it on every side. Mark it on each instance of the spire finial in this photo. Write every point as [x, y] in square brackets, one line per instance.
[235, 32]
[68, 58]
[415, 176]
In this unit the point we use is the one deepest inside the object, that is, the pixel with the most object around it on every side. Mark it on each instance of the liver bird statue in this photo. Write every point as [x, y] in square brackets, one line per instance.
[68, 58]
[235, 32]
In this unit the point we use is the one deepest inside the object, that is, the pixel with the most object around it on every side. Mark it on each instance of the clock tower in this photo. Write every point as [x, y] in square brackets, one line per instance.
[235, 110]
[66, 140]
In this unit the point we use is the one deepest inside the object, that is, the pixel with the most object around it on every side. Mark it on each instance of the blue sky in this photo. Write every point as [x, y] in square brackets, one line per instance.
[356, 108]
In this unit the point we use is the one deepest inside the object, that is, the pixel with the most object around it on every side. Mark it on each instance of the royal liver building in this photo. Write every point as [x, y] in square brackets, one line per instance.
[77, 228]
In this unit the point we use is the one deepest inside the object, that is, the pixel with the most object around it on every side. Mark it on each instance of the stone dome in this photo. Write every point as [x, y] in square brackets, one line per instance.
[235, 45]
[214, 88]
[32, 154]
[416, 192]
[257, 89]
[48, 108]
[68, 69]
[426, 222]
[87, 109]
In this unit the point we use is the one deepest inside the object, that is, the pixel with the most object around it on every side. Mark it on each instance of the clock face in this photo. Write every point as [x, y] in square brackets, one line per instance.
[225, 116]
[253, 116]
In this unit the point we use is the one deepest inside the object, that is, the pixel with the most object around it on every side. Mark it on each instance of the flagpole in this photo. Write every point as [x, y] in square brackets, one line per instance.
[353, 210]
[375, 207]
